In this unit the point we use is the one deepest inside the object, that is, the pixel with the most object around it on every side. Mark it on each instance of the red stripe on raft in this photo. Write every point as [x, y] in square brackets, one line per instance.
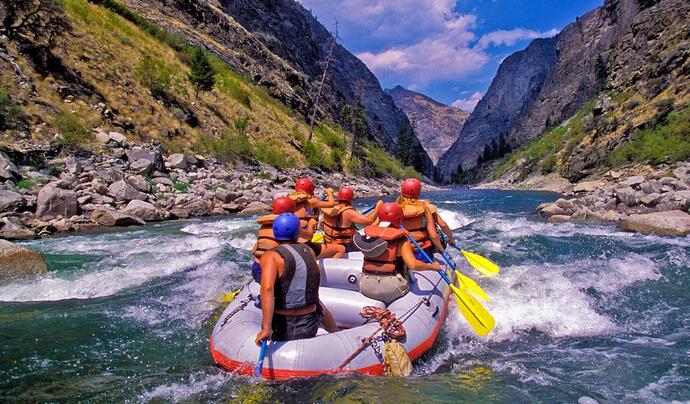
[244, 368]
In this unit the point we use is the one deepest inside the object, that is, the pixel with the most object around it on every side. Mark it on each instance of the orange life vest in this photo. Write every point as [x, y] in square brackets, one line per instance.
[302, 201]
[414, 221]
[388, 261]
[332, 225]
[265, 239]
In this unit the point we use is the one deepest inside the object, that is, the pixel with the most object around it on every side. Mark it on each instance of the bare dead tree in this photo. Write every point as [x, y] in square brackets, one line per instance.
[334, 40]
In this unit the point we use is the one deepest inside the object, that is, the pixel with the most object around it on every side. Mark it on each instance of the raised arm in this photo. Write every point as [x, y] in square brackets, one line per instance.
[413, 263]
[357, 218]
[328, 203]
[445, 228]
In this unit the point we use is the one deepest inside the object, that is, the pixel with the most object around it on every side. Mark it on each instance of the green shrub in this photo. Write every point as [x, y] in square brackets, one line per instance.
[272, 153]
[11, 114]
[380, 163]
[664, 143]
[28, 183]
[329, 136]
[228, 148]
[548, 165]
[202, 74]
[242, 124]
[181, 186]
[161, 79]
[315, 156]
[74, 130]
[337, 159]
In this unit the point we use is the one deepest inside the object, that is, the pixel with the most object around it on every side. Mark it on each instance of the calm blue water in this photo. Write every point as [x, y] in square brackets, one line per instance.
[582, 312]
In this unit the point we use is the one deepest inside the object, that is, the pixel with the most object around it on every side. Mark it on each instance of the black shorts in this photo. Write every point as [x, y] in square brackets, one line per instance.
[288, 328]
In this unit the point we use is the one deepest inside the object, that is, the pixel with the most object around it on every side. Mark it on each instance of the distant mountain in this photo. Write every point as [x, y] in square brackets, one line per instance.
[437, 125]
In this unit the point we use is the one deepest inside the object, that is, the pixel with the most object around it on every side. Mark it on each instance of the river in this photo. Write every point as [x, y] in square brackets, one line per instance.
[583, 312]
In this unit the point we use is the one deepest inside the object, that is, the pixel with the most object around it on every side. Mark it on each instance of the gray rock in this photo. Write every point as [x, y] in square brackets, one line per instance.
[255, 208]
[118, 138]
[139, 183]
[231, 207]
[179, 213]
[626, 195]
[553, 209]
[196, 207]
[99, 186]
[142, 167]
[53, 201]
[122, 191]
[587, 186]
[559, 218]
[12, 229]
[682, 173]
[177, 160]
[225, 196]
[102, 137]
[650, 187]
[152, 155]
[10, 201]
[18, 262]
[671, 223]
[73, 167]
[163, 180]
[633, 181]
[143, 210]
[8, 171]
[111, 217]
[650, 199]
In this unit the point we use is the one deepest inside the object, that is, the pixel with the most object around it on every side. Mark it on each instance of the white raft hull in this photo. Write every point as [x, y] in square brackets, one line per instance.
[232, 339]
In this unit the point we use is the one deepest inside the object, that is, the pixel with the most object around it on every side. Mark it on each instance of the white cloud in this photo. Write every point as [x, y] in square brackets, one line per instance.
[414, 43]
[511, 37]
[468, 104]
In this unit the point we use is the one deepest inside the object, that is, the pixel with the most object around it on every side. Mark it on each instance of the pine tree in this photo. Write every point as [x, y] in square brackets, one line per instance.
[493, 150]
[202, 75]
[502, 145]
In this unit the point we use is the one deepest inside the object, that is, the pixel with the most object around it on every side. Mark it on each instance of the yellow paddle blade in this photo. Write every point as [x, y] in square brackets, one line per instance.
[476, 315]
[229, 297]
[471, 286]
[317, 238]
[485, 266]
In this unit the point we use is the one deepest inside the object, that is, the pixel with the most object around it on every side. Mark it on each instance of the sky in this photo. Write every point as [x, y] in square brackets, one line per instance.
[449, 50]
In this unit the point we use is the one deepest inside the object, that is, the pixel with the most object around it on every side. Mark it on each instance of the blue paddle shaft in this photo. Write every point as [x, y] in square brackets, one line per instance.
[262, 355]
[426, 257]
[448, 260]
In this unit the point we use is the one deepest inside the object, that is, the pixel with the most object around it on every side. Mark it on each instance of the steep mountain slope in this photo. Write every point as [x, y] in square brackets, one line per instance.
[640, 114]
[517, 83]
[437, 125]
[283, 48]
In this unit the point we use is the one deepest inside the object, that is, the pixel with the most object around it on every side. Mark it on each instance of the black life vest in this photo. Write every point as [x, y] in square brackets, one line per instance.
[299, 285]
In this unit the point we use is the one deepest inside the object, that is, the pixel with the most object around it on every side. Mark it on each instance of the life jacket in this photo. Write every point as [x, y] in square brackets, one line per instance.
[332, 225]
[299, 285]
[414, 221]
[265, 240]
[388, 261]
[302, 202]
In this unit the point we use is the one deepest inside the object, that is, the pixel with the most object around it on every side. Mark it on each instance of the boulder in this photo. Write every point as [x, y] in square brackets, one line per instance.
[143, 210]
[111, 217]
[162, 180]
[102, 137]
[118, 138]
[53, 201]
[196, 207]
[550, 210]
[151, 155]
[142, 167]
[650, 187]
[225, 196]
[559, 218]
[231, 207]
[633, 181]
[18, 262]
[587, 186]
[139, 183]
[650, 199]
[682, 173]
[122, 191]
[179, 213]
[177, 160]
[99, 186]
[255, 208]
[671, 223]
[8, 171]
[12, 229]
[626, 195]
[10, 201]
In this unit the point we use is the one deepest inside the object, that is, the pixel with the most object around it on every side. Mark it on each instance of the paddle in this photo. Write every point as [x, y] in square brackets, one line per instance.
[465, 281]
[483, 265]
[476, 315]
[262, 355]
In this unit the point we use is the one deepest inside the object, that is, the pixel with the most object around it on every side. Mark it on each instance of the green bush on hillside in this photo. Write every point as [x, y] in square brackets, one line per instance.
[74, 130]
[11, 114]
[201, 75]
[315, 156]
[160, 78]
[662, 143]
[272, 153]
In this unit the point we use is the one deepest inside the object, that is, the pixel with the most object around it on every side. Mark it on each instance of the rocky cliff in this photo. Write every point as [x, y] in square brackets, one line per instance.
[517, 84]
[282, 47]
[437, 125]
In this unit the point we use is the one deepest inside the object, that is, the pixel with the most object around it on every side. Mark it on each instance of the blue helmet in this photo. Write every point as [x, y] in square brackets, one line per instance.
[286, 227]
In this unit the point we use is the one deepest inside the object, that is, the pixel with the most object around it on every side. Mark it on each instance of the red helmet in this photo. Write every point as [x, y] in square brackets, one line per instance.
[283, 205]
[346, 194]
[391, 212]
[305, 185]
[411, 188]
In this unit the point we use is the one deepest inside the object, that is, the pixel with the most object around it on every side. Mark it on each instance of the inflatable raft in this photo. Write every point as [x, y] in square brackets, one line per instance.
[421, 311]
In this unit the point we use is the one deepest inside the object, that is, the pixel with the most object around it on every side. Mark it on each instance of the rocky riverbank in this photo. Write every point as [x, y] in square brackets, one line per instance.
[643, 199]
[45, 190]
